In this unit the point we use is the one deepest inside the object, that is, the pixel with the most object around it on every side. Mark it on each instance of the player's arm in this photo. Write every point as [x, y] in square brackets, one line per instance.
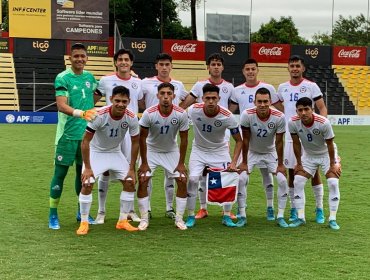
[141, 104]
[320, 104]
[297, 148]
[235, 133]
[85, 151]
[279, 106]
[144, 167]
[189, 100]
[97, 96]
[279, 144]
[183, 148]
[245, 146]
[134, 153]
[334, 169]
[233, 106]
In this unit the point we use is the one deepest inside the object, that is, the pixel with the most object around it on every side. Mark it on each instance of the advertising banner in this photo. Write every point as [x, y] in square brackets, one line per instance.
[28, 117]
[272, 53]
[145, 50]
[38, 47]
[233, 53]
[313, 55]
[93, 48]
[4, 45]
[349, 120]
[349, 55]
[185, 49]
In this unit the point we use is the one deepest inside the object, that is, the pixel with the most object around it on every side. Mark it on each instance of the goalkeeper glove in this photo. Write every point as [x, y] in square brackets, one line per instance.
[88, 115]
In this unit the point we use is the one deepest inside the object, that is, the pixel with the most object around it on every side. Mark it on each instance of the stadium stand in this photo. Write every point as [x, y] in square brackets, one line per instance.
[8, 89]
[189, 71]
[37, 74]
[356, 82]
[336, 98]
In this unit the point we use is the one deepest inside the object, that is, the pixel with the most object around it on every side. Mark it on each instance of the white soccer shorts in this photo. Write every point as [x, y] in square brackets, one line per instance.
[168, 161]
[269, 161]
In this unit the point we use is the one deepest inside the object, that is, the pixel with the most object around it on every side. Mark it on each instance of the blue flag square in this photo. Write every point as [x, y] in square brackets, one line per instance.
[214, 180]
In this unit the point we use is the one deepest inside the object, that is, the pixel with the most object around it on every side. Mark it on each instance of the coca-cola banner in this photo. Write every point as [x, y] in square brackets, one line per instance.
[349, 55]
[185, 49]
[273, 53]
[313, 55]
[233, 53]
[145, 50]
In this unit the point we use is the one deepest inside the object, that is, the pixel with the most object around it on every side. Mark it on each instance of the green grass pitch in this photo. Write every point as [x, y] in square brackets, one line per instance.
[29, 250]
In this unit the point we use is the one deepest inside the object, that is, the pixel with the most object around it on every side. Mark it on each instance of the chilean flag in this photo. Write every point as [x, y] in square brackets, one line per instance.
[222, 187]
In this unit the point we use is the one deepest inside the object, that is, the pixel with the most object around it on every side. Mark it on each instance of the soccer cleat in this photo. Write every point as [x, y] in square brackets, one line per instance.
[144, 223]
[202, 213]
[190, 221]
[320, 219]
[242, 221]
[133, 217]
[54, 222]
[170, 214]
[270, 214]
[83, 229]
[293, 214]
[91, 219]
[282, 223]
[180, 224]
[100, 218]
[226, 220]
[124, 224]
[297, 223]
[233, 216]
[333, 225]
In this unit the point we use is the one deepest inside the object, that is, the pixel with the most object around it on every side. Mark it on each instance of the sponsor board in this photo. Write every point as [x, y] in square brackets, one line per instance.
[349, 55]
[349, 119]
[12, 117]
[185, 49]
[274, 53]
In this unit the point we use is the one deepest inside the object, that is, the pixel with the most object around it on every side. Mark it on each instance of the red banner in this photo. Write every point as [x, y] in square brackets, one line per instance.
[273, 53]
[349, 55]
[185, 49]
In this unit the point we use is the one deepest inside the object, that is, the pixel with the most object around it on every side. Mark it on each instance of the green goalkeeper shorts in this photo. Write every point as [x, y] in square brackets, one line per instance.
[68, 151]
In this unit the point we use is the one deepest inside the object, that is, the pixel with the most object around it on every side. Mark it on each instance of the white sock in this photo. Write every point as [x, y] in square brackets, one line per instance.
[143, 207]
[192, 194]
[282, 194]
[180, 207]
[242, 193]
[150, 189]
[85, 205]
[103, 183]
[291, 196]
[268, 183]
[203, 192]
[269, 190]
[227, 209]
[318, 191]
[299, 195]
[334, 197]
[169, 189]
[126, 204]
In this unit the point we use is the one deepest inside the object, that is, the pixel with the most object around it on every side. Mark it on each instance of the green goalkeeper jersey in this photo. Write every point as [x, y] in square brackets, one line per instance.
[79, 90]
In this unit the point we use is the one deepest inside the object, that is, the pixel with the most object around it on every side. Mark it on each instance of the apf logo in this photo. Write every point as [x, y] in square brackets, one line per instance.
[140, 46]
[312, 52]
[10, 118]
[228, 49]
[42, 46]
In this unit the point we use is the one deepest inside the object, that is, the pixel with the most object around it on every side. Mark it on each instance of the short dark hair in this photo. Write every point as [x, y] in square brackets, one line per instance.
[215, 56]
[296, 57]
[163, 56]
[164, 85]
[250, 61]
[263, 90]
[123, 51]
[78, 46]
[121, 90]
[211, 88]
[304, 101]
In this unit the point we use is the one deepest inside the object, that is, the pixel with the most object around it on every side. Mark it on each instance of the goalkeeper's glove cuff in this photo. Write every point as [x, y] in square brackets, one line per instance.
[88, 115]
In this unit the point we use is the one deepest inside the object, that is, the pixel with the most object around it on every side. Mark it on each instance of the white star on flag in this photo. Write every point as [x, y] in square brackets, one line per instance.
[213, 181]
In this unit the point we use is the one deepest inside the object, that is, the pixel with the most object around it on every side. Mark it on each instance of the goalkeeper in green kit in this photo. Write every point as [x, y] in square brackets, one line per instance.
[75, 91]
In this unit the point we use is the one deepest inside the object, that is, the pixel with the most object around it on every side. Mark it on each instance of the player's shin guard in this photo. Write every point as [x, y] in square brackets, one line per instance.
[268, 183]
[318, 191]
[102, 192]
[203, 192]
[192, 194]
[242, 193]
[180, 207]
[282, 193]
[227, 209]
[126, 204]
[334, 197]
[56, 187]
[169, 189]
[291, 196]
[85, 205]
[299, 195]
[143, 207]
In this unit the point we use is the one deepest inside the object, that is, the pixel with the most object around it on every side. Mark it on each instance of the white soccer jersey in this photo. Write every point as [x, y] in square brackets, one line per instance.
[150, 90]
[109, 131]
[312, 137]
[226, 91]
[262, 132]
[244, 95]
[209, 132]
[108, 82]
[163, 129]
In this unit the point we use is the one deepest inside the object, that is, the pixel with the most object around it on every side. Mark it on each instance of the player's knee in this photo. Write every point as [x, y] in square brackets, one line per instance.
[281, 179]
[299, 181]
[243, 179]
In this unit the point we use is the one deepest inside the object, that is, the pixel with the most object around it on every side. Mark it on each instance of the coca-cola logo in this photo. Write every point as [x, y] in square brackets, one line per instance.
[276, 51]
[349, 54]
[187, 48]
